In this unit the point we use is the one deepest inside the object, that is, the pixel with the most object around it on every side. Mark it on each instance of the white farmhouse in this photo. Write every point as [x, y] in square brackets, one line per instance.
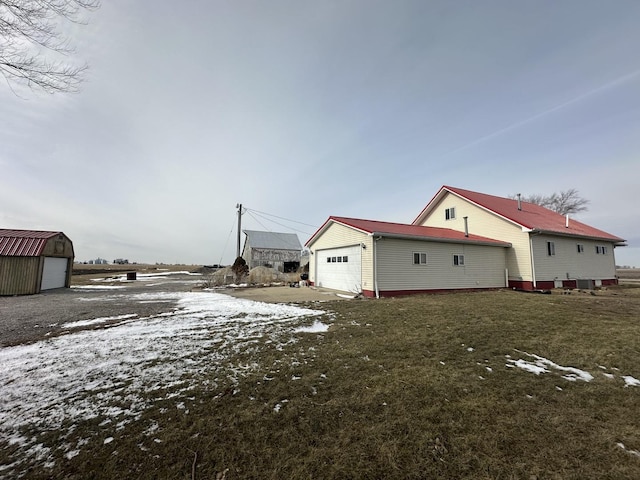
[462, 240]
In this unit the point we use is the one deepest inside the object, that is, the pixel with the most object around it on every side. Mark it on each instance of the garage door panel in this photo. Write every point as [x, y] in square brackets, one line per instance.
[340, 269]
[54, 273]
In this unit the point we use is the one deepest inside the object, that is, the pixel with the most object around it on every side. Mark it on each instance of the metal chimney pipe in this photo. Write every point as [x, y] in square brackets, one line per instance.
[519, 202]
[466, 226]
[566, 222]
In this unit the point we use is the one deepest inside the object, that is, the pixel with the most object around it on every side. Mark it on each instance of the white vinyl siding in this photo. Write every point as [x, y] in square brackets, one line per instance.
[485, 266]
[568, 263]
[336, 236]
[490, 225]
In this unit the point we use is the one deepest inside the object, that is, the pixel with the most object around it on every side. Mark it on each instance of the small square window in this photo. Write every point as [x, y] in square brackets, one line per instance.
[458, 260]
[345, 259]
[450, 213]
[333, 259]
[419, 258]
[580, 248]
[328, 259]
[551, 249]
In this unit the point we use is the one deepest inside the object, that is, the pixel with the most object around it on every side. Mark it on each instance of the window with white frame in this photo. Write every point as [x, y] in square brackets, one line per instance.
[419, 258]
[450, 213]
[551, 249]
[601, 250]
[580, 247]
[458, 260]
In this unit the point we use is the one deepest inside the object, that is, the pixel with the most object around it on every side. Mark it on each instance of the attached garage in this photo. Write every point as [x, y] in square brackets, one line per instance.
[34, 260]
[340, 268]
[380, 259]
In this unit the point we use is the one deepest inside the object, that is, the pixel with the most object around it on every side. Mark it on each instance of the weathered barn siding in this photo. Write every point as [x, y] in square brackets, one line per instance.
[20, 275]
[485, 223]
[484, 267]
[258, 257]
[338, 235]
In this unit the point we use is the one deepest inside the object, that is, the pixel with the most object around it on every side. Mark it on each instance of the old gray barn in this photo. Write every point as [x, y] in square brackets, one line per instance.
[271, 249]
[33, 260]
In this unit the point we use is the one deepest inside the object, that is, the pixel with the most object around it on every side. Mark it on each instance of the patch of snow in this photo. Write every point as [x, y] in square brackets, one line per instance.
[84, 323]
[542, 365]
[112, 375]
[629, 381]
[317, 327]
[635, 453]
[97, 287]
[470, 349]
[108, 440]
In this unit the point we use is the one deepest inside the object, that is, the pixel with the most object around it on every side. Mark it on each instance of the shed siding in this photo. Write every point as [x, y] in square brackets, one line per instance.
[484, 267]
[337, 235]
[482, 222]
[19, 275]
[567, 263]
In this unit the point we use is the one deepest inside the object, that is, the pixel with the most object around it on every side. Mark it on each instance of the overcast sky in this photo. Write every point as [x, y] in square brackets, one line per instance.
[302, 110]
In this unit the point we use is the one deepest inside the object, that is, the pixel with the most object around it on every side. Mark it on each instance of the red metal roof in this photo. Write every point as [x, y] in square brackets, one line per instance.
[24, 243]
[532, 216]
[409, 231]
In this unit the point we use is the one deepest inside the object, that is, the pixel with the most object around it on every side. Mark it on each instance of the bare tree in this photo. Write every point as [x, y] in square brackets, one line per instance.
[30, 34]
[564, 202]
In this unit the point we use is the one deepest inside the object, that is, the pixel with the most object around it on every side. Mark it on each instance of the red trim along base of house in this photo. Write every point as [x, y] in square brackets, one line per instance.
[521, 285]
[550, 284]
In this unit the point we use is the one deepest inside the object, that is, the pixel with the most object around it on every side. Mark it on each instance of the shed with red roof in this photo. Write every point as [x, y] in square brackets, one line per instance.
[34, 260]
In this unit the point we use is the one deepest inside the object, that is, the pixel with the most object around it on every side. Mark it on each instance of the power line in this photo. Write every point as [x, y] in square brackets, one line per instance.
[282, 218]
[251, 212]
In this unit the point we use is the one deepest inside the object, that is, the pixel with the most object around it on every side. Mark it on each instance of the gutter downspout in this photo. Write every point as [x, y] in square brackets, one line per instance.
[375, 265]
[533, 263]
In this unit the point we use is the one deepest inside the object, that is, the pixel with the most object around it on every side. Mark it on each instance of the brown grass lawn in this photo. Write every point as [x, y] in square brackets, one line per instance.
[420, 387]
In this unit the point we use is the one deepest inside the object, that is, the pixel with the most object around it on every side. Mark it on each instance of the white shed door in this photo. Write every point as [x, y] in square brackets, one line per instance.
[54, 273]
[340, 269]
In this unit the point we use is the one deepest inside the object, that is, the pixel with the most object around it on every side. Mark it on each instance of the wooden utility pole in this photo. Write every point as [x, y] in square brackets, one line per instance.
[239, 207]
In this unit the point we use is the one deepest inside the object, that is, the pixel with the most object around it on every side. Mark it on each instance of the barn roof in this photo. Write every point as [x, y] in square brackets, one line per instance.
[24, 243]
[403, 230]
[530, 216]
[273, 240]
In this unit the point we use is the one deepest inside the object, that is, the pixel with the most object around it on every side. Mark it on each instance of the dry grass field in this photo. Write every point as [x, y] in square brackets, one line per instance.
[492, 385]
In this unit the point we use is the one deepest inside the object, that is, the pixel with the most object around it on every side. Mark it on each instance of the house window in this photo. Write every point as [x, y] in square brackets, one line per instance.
[339, 259]
[450, 213]
[601, 250]
[551, 248]
[580, 248]
[419, 258]
[345, 259]
[328, 259]
[458, 260]
[333, 259]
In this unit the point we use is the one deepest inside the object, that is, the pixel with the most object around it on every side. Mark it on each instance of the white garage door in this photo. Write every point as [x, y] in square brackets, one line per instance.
[340, 269]
[54, 273]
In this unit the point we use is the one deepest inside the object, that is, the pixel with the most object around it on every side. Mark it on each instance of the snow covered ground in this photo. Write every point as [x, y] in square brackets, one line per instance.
[112, 374]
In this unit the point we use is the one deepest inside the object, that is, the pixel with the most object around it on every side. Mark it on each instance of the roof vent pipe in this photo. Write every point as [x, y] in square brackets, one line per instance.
[519, 202]
[466, 227]
[566, 222]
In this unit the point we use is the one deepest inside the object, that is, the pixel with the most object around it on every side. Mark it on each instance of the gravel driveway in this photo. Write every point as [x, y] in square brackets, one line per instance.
[28, 318]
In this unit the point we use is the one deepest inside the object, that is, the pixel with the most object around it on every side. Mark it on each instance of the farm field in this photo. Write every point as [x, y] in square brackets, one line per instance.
[466, 385]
